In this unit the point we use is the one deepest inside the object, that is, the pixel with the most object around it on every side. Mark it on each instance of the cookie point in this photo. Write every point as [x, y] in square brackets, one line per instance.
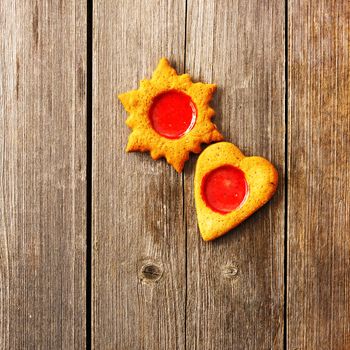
[163, 63]
[164, 60]
[213, 87]
[121, 97]
[178, 167]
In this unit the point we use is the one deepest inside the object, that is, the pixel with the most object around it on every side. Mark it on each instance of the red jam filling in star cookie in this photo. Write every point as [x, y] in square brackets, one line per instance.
[170, 116]
[173, 114]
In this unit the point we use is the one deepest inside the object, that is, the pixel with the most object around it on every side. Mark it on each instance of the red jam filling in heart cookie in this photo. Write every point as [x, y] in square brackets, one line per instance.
[172, 114]
[224, 189]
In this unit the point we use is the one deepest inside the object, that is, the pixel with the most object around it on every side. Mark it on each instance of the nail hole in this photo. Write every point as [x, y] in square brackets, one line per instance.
[230, 271]
[151, 272]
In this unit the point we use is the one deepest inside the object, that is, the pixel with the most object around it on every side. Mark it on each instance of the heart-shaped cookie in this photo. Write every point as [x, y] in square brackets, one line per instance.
[229, 187]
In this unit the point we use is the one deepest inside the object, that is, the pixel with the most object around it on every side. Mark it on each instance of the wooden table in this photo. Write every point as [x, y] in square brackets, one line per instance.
[100, 249]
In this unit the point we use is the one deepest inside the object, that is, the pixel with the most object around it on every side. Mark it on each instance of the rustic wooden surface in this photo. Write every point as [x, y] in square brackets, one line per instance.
[235, 284]
[42, 175]
[280, 280]
[139, 255]
[319, 175]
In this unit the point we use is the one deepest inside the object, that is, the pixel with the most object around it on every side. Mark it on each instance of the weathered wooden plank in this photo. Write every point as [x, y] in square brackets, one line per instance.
[235, 284]
[42, 177]
[319, 173]
[137, 202]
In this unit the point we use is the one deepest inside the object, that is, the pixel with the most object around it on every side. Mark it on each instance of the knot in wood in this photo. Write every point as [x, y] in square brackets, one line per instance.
[230, 271]
[151, 272]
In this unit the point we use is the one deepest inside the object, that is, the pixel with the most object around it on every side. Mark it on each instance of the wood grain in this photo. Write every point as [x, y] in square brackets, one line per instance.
[42, 177]
[138, 227]
[319, 173]
[235, 283]
[155, 283]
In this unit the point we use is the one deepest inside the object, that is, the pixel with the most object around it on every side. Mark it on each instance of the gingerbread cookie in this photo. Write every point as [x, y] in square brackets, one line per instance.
[170, 116]
[229, 187]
